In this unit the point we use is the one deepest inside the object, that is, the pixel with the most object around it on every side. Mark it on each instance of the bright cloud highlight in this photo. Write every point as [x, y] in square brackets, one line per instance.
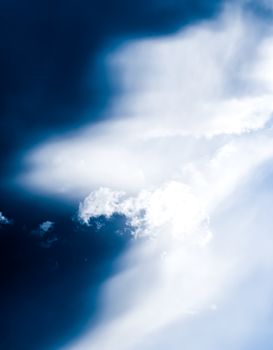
[189, 137]
[182, 98]
[173, 205]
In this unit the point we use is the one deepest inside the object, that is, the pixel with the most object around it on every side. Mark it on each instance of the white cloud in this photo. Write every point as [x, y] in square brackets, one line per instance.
[172, 205]
[188, 135]
[198, 257]
[192, 92]
[3, 219]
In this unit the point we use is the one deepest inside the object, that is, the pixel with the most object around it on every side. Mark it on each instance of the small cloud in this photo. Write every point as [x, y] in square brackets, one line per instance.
[46, 226]
[46, 234]
[4, 220]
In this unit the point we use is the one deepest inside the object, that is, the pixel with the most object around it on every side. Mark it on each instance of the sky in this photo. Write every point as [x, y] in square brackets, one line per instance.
[136, 175]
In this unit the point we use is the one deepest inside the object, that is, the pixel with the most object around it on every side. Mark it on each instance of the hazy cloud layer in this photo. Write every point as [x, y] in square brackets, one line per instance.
[183, 156]
[182, 98]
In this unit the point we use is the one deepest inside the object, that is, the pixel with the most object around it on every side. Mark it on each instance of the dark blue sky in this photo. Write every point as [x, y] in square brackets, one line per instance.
[49, 79]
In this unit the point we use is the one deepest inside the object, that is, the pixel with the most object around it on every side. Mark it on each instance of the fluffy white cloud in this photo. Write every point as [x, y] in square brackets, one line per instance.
[171, 208]
[208, 239]
[187, 138]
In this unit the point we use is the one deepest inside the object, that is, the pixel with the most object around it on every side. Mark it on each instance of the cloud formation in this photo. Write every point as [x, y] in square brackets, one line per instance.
[203, 88]
[172, 205]
[45, 233]
[4, 220]
[188, 135]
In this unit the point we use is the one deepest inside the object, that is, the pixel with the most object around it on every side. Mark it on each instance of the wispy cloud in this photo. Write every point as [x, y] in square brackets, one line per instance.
[182, 98]
[188, 135]
[45, 233]
[4, 220]
[44, 228]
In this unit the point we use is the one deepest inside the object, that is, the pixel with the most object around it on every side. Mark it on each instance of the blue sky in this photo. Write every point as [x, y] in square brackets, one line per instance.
[136, 151]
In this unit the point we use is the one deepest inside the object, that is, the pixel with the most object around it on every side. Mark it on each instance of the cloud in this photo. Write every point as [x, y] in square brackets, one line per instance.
[4, 220]
[173, 205]
[45, 233]
[203, 87]
[188, 134]
[44, 228]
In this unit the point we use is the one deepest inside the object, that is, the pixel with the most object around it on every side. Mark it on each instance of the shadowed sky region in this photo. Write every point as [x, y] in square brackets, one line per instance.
[50, 283]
